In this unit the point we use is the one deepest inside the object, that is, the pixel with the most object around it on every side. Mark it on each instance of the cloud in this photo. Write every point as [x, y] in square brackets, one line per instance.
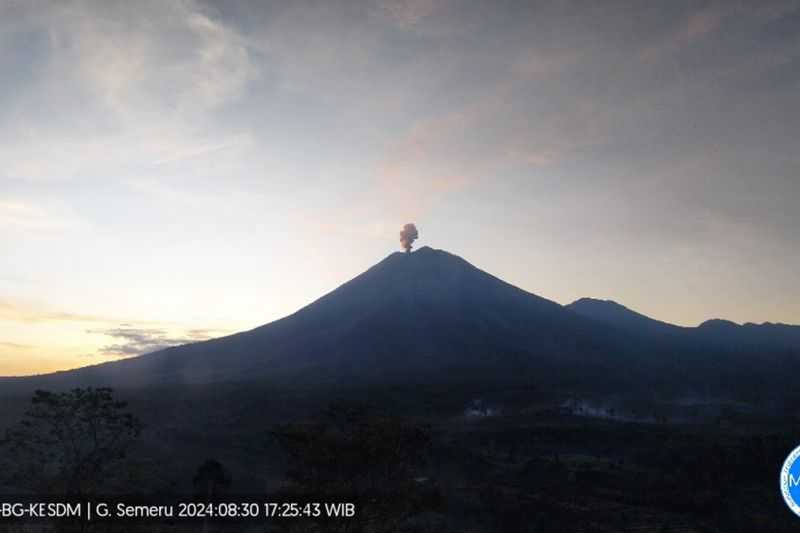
[19, 312]
[701, 23]
[132, 340]
[533, 64]
[535, 157]
[15, 346]
[25, 215]
[113, 84]
[408, 13]
[204, 150]
[205, 333]
[20, 359]
[211, 123]
[152, 57]
[435, 155]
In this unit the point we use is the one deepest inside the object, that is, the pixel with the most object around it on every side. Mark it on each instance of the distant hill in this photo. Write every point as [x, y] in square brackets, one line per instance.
[715, 333]
[749, 336]
[430, 316]
[612, 313]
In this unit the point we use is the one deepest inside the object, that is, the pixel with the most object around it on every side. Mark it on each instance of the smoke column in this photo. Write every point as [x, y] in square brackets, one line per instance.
[408, 236]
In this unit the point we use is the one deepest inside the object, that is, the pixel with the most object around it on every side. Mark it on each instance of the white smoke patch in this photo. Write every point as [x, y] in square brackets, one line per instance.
[478, 409]
[606, 412]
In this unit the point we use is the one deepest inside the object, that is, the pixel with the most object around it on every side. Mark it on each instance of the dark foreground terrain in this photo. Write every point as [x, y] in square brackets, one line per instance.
[461, 458]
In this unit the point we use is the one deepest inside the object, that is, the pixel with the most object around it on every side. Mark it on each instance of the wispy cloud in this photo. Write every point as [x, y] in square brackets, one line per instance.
[19, 312]
[131, 340]
[535, 157]
[28, 216]
[15, 346]
[701, 23]
[107, 95]
[408, 13]
[689, 31]
[203, 150]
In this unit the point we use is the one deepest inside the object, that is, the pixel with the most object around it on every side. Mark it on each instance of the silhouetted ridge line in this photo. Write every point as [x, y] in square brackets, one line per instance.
[428, 316]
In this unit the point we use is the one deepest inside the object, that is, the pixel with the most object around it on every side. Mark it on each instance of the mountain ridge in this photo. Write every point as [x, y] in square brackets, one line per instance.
[430, 315]
[713, 332]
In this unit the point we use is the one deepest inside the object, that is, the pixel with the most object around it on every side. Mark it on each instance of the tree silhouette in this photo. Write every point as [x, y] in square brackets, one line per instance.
[350, 452]
[211, 478]
[68, 443]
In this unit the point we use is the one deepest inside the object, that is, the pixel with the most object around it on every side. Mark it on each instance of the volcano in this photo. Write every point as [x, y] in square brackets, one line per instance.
[424, 317]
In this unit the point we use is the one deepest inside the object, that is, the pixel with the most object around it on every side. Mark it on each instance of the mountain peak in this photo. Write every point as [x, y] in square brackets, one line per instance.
[419, 253]
[718, 323]
[596, 306]
[425, 255]
[427, 251]
[597, 302]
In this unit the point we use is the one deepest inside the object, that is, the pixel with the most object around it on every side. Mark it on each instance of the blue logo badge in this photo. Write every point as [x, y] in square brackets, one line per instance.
[790, 481]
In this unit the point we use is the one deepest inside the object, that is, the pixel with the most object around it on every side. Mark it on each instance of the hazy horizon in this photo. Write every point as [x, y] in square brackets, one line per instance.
[172, 171]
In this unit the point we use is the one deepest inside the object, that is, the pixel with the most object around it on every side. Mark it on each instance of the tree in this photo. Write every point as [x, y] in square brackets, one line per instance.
[68, 443]
[370, 458]
[210, 479]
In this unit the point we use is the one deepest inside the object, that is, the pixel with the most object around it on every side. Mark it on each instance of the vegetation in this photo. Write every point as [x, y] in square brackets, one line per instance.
[210, 480]
[350, 454]
[69, 443]
[417, 458]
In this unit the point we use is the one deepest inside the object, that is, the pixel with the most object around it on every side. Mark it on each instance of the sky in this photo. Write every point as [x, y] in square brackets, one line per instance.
[175, 170]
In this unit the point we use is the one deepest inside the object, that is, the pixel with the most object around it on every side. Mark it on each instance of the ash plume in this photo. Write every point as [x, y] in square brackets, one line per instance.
[408, 235]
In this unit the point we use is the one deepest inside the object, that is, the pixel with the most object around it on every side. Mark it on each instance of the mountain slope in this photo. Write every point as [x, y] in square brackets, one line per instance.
[422, 316]
[612, 313]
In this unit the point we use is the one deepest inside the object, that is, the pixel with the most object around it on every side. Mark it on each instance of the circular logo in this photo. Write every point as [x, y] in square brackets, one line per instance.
[790, 481]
